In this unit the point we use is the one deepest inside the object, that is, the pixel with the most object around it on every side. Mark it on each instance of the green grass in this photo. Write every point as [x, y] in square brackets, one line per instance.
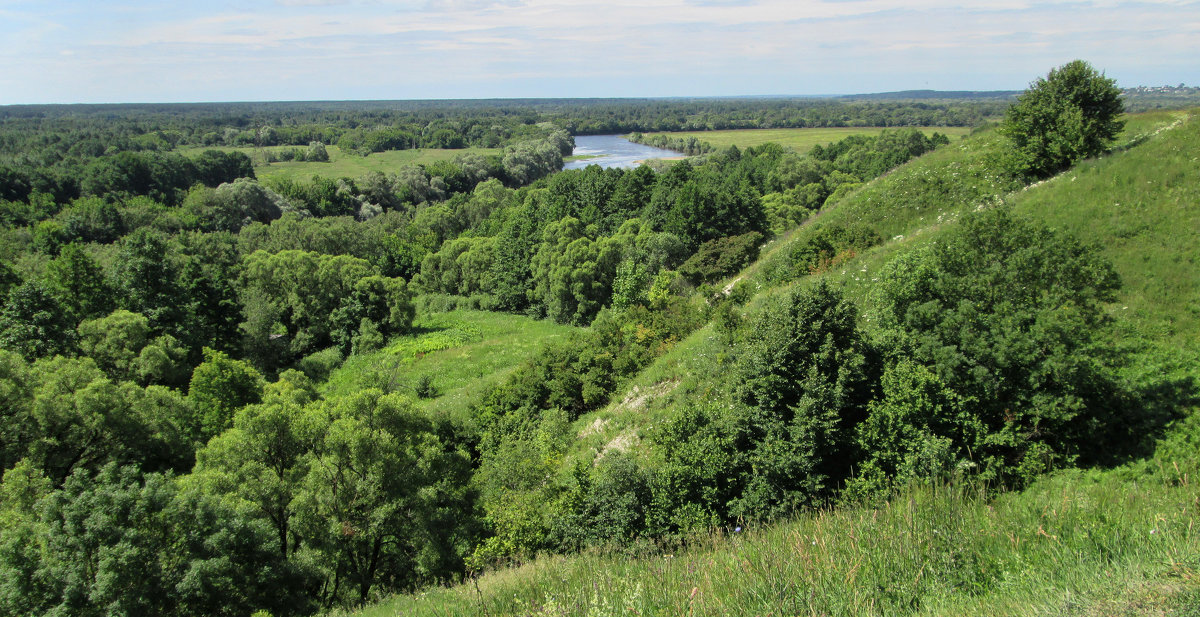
[1142, 208]
[463, 352]
[1071, 544]
[801, 140]
[342, 165]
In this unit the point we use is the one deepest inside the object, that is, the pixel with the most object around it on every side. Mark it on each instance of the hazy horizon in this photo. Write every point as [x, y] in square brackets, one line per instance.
[136, 51]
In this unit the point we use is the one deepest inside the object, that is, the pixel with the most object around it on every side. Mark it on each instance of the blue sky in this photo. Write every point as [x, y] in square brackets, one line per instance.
[68, 51]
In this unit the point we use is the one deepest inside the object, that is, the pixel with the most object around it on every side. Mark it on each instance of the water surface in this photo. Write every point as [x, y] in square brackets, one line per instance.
[614, 151]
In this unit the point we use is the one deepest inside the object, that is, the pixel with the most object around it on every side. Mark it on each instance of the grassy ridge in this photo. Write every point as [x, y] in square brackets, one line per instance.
[1143, 210]
[342, 165]
[801, 140]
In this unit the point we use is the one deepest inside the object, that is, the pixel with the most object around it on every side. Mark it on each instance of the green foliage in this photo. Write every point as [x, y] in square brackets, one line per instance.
[147, 279]
[383, 501]
[261, 460]
[16, 396]
[808, 374]
[313, 301]
[115, 341]
[607, 504]
[91, 219]
[79, 283]
[116, 544]
[719, 258]
[1071, 114]
[220, 386]
[33, 322]
[707, 203]
[8, 279]
[77, 418]
[826, 247]
[318, 365]
[163, 361]
[233, 205]
[214, 167]
[867, 157]
[573, 274]
[1003, 314]
[425, 387]
[777, 407]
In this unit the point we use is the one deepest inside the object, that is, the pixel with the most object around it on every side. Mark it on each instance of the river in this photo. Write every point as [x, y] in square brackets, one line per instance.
[614, 151]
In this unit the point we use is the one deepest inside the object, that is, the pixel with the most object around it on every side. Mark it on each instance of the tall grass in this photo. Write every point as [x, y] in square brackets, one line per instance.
[1068, 542]
[461, 352]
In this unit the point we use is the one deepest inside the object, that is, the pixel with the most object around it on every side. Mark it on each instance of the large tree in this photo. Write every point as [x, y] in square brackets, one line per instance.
[1071, 114]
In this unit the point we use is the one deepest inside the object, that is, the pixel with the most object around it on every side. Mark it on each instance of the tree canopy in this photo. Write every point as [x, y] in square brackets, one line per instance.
[1069, 115]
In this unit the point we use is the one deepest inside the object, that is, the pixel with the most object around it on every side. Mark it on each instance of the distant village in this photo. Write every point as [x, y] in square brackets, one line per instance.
[1147, 98]
[1180, 89]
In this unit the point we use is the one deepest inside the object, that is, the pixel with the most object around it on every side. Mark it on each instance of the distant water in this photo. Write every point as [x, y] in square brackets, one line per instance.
[614, 151]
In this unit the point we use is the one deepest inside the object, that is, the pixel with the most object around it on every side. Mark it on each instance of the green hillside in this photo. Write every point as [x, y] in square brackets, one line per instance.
[1104, 540]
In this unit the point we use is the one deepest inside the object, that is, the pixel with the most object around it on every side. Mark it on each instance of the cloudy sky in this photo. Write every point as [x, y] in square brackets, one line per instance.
[68, 51]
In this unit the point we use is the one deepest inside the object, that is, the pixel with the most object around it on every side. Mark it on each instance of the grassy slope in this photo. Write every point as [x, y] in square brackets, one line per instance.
[1096, 542]
[801, 140]
[1066, 542]
[1143, 210]
[342, 165]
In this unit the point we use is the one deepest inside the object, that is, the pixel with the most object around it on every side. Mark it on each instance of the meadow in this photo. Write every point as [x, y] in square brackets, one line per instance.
[341, 164]
[1121, 542]
[800, 140]
[459, 355]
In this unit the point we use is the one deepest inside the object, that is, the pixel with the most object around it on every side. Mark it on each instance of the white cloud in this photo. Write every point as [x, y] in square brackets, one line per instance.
[315, 49]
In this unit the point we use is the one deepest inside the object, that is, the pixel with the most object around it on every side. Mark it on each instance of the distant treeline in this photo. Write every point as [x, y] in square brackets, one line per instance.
[373, 126]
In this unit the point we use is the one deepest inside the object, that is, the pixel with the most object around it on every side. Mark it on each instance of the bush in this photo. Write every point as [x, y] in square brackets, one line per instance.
[807, 374]
[722, 257]
[1001, 317]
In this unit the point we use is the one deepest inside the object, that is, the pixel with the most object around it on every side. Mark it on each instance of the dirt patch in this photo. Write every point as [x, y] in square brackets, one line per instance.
[637, 398]
[595, 428]
[620, 443]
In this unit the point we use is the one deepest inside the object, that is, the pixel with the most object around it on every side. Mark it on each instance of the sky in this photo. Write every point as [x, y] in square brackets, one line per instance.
[101, 51]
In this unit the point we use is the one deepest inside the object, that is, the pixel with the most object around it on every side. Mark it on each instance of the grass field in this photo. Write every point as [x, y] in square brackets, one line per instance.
[801, 140]
[342, 165]
[461, 352]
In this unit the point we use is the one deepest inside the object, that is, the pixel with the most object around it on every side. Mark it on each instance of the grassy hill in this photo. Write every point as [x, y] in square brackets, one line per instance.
[1102, 541]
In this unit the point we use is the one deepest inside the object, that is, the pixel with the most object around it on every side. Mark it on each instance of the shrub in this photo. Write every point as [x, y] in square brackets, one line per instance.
[1000, 317]
[721, 257]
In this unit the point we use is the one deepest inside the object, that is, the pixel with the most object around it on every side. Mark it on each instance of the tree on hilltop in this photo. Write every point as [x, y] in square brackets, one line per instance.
[1071, 114]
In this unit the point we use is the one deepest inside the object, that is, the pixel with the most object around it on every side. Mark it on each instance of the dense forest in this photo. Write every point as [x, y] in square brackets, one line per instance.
[171, 443]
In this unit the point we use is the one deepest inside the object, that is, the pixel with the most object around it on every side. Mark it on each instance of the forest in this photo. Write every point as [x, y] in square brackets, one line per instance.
[176, 339]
